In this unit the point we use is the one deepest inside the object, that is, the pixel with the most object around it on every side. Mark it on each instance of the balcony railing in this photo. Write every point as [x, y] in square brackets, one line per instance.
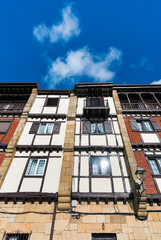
[140, 106]
[96, 108]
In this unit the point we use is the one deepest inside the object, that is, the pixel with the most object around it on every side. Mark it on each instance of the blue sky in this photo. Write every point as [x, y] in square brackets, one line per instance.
[59, 43]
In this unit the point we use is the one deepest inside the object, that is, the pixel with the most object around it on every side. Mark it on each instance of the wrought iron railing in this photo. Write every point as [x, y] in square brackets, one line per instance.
[16, 236]
[140, 106]
[96, 103]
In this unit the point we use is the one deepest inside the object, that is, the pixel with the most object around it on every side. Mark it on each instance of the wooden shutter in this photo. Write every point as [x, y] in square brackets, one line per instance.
[86, 127]
[134, 125]
[108, 127]
[4, 126]
[56, 128]
[155, 125]
[34, 128]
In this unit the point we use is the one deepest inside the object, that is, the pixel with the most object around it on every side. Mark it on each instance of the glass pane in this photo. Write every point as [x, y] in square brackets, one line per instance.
[49, 128]
[105, 166]
[42, 128]
[32, 167]
[148, 126]
[100, 128]
[154, 167]
[13, 238]
[95, 166]
[93, 127]
[159, 161]
[140, 126]
[40, 168]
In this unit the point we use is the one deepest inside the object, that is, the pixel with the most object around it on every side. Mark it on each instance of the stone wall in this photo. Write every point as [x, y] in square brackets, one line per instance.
[125, 227]
[39, 224]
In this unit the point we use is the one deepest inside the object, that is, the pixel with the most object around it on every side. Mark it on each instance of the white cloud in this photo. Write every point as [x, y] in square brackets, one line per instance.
[67, 28]
[82, 63]
[143, 63]
[156, 82]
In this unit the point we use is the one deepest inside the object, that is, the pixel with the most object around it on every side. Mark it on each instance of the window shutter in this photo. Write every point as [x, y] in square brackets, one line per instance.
[86, 127]
[134, 125]
[34, 128]
[108, 127]
[155, 125]
[4, 126]
[56, 128]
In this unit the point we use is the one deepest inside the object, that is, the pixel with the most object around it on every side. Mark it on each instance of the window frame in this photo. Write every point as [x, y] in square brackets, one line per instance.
[45, 128]
[97, 133]
[37, 164]
[46, 103]
[150, 158]
[109, 174]
[144, 126]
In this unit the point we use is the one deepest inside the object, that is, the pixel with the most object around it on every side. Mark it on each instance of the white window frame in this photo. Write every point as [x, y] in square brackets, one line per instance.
[45, 128]
[38, 160]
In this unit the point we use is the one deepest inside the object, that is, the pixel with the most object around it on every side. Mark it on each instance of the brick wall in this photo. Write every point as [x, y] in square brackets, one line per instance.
[134, 136]
[11, 131]
[149, 182]
[2, 155]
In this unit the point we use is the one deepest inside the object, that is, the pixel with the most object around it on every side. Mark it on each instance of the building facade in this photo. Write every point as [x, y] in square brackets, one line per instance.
[86, 164]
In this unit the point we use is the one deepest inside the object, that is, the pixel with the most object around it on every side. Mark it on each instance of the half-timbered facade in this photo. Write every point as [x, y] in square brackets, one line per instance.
[86, 164]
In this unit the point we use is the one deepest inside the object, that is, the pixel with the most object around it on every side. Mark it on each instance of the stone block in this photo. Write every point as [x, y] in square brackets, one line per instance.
[113, 228]
[89, 219]
[73, 227]
[118, 219]
[61, 225]
[100, 219]
[139, 233]
[122, 236]
[39, 227]
[83, 236]
[47, 228]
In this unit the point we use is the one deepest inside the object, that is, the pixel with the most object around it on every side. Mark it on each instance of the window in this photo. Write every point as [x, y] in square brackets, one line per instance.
[36, 167]
[100, 166]
[155, 165]
[46, 128]
[104, 236]
[4, 126]
[52, 102]
[97, 127]
[16, 236]
[144, 125]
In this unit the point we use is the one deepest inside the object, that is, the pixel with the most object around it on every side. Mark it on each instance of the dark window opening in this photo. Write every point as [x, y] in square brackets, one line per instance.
[104, 236]
[52, 102]
[4, 126]
[16, 236]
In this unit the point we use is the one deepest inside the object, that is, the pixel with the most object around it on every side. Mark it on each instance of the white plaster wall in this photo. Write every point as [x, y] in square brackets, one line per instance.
[52, 177]
[118, 185]
[42, 140]
[158, 180]
[76, 141]
[49, 110]
[31, 185]
[116, 127]
[101, 185]
[150, 137]
[58, 139]
[98, 140]
[111, 140]
[119, 140]
[14, 175]
[41, 154]
[84, 140]
[128, 186]
[84, 168]
[77, 128]
[111, 105]
[124, 169]
[38, 105]
[75, 166]
[84, 185]
[54, 153]
[26, 138]
[63, 106]
[22, 154]
[74, 185]
[80, 105]
[115, 166]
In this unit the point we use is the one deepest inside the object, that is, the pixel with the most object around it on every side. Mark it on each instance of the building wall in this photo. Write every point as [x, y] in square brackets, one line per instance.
[39, 224]
[125, 227]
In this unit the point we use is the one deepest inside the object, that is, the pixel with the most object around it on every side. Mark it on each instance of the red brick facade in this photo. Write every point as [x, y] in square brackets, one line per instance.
[11, 131]
[2, 155]
[134, 136]
[149, 182]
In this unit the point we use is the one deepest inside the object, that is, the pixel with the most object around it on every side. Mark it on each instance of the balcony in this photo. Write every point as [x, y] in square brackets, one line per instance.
[11, 108]
[140, 106]
[96, 107]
